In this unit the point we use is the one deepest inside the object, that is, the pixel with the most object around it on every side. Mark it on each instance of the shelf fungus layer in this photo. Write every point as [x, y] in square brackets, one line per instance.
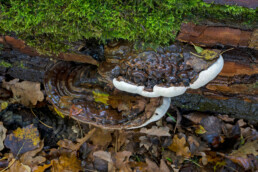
[77, 91]
[167, 72]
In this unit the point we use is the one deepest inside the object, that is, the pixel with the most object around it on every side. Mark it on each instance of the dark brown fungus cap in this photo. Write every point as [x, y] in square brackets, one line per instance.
[75, 90]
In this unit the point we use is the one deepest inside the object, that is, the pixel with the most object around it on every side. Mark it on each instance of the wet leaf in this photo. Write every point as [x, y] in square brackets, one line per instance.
[155, 131]
[100, 97]
[27, 92]
[200, 130]
[179, 146]
[23, 140]
[2, 135]
[66, 162]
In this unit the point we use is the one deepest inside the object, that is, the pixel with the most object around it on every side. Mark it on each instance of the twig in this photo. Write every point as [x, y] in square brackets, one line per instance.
[39, 119]
[9, 166]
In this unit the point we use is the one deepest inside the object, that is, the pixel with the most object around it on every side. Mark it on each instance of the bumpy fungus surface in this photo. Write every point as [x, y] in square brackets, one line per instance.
[76, 91]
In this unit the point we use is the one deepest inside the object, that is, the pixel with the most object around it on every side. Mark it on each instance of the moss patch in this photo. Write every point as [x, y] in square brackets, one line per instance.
[50, 25]
[5, 64]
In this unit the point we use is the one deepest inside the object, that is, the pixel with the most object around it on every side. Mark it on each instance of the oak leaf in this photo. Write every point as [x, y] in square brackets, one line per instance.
[25, 92]
[179, 146]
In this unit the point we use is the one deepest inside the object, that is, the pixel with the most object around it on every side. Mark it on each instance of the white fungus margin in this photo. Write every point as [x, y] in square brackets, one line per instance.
[158, 114]
[204, 77]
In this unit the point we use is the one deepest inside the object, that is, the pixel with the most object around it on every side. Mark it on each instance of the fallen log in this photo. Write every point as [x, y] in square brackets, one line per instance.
[233, 92]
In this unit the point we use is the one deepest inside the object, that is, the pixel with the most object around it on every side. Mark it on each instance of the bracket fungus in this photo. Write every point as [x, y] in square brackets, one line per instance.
[75, 90]
[167, 72]
[145, 81]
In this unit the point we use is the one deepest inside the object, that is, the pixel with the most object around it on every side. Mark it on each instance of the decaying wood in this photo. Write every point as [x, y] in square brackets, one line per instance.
[234, 91]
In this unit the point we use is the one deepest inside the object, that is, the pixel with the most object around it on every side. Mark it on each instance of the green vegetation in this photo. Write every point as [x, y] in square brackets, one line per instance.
[51, 25]
[5, 64]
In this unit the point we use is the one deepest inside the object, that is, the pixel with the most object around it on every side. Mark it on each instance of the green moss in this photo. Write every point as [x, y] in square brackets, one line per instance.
[5, 64]
[50, 25]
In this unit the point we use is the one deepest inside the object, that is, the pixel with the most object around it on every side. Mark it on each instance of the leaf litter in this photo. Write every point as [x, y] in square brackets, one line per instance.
[188, 142]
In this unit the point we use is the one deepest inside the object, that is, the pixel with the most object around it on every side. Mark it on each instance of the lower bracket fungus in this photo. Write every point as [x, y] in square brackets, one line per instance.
[75, 91]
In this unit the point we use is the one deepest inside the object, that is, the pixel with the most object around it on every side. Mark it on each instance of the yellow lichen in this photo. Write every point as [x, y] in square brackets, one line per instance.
[30, 134]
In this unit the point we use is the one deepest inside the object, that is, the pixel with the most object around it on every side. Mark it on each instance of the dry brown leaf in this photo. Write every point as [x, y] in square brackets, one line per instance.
[68, 144]
[155, 131]
[103, 155]
[248, 148]
[101, 137]
[30, 158]
[27, 92]
[66, 163]
[2, 135]
[179, 146]
[145, 142]
[17, 166]
[42, 168]
[122, 158]
[195, 117]
[152, 166]
[163, 166]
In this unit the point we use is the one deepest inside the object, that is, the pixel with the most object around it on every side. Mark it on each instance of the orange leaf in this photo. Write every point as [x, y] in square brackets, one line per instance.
[178, 146]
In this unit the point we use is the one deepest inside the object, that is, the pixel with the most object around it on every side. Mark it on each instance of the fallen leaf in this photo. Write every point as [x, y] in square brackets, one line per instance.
[101, 137]
[2, 135]
[103, 155]
[101, 97]
[29, 158]
[155, 131]
[145, 142]
[163, 166]
[28, 92]
[42, 168]
[179, 146]
[122, 158]
[17, 166]
[66, 162]
[152, 166]
[4, 105]
[246, 149]
[210, 54]
[195, 117]
[23, 140]
[200, 130]
[68, 144]
[198, 49]
[75, 110]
